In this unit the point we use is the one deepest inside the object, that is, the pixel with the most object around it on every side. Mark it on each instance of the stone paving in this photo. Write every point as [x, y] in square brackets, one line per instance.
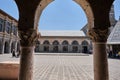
[66, 67]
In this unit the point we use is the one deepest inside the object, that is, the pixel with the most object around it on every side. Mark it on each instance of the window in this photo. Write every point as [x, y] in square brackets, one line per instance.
[8, 27]
[1, 24]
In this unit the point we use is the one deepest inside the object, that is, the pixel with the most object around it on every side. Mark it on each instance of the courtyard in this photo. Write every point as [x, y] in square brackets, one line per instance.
[64, 66]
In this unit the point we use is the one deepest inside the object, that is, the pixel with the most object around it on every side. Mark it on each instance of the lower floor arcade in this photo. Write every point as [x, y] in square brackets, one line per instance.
[7, 45]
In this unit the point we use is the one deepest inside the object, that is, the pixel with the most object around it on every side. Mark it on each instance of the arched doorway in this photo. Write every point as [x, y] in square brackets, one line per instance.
[84, 46]
[75, 46]
[46, 46]
[37, 47]
[55, 46]
[65, 46]
[6, 47]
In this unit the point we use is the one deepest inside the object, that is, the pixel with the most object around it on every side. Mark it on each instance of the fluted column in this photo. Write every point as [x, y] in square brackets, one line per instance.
[99, 38]
[27, 49]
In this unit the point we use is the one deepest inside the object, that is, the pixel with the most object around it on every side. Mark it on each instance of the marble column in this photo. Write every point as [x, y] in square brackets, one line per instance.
[99, 38]
[27, 42]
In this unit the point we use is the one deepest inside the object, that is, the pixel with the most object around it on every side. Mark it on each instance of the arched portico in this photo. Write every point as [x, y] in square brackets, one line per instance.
[84, 45]
[55, 46]
[46, 44]
[65, 46]
[75, 46]
[97, 12]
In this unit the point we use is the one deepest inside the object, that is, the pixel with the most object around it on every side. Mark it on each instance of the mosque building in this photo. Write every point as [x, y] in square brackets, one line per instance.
[50, 41]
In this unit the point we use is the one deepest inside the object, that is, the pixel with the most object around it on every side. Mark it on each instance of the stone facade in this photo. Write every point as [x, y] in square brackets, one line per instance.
[66, 44]
[9, 39]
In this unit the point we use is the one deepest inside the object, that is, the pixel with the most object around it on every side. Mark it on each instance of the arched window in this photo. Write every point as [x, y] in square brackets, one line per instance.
[75, 43]
[65, 43]
[8, 27]
[46, 42]
[1, 24]
[84, 43]
[14, 30]
[55, 43]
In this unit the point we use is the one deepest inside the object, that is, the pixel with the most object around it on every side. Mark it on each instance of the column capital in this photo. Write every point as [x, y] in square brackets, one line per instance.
[28, 37]
[98, 35]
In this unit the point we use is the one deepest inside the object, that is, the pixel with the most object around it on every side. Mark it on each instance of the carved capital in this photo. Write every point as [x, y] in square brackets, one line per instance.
[28, 37]
[98, 35]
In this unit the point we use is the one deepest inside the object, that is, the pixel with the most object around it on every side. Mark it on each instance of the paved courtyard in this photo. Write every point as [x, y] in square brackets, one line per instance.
[66, 67]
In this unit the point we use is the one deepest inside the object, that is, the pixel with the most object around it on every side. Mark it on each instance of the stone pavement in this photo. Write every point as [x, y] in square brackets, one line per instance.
[66, 67]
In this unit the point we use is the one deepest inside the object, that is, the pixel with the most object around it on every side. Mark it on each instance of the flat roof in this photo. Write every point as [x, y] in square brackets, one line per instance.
[65, 33]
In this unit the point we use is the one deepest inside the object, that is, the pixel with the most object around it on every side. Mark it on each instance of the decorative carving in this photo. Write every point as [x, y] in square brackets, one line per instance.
[98, 35]
[28, 37]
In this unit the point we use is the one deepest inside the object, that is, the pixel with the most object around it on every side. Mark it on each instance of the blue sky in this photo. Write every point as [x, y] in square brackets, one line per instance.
[58, 15]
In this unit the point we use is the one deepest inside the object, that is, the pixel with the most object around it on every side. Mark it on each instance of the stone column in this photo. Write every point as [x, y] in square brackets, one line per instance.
[99, 38]
[10, 42]
[60, 48]
[2, 46]
[27, 42]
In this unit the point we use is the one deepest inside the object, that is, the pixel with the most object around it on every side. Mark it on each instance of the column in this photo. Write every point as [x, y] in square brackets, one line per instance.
[99, 38]
[60, 48]
[27, 42]
[10, 42]
[2, 46]
[50, 48]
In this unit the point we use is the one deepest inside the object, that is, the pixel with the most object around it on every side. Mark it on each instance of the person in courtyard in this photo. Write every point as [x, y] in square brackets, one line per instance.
[110, 53]
[18, 53]
[13, 53]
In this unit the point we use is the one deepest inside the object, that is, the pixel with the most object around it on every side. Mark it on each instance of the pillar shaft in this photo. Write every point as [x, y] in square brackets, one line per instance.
[26, 61]
[100, 61]
[99, 38]
[27, 42]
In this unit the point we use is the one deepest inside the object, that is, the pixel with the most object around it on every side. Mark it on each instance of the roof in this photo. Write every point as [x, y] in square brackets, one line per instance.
[114, 37]
[63, 33]
[4, 13]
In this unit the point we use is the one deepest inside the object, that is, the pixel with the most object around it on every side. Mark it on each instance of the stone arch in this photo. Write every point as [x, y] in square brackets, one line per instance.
[6, 47]
[75, 42]
[85, 45]
[87, 9]
[55, 46]
[97, 24]
[75, 46]
[46, 45]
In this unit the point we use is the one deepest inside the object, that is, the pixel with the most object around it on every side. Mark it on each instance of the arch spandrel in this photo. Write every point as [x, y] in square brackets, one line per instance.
[27, 10]
[88, 11]
[42, 5]
[100, 12]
